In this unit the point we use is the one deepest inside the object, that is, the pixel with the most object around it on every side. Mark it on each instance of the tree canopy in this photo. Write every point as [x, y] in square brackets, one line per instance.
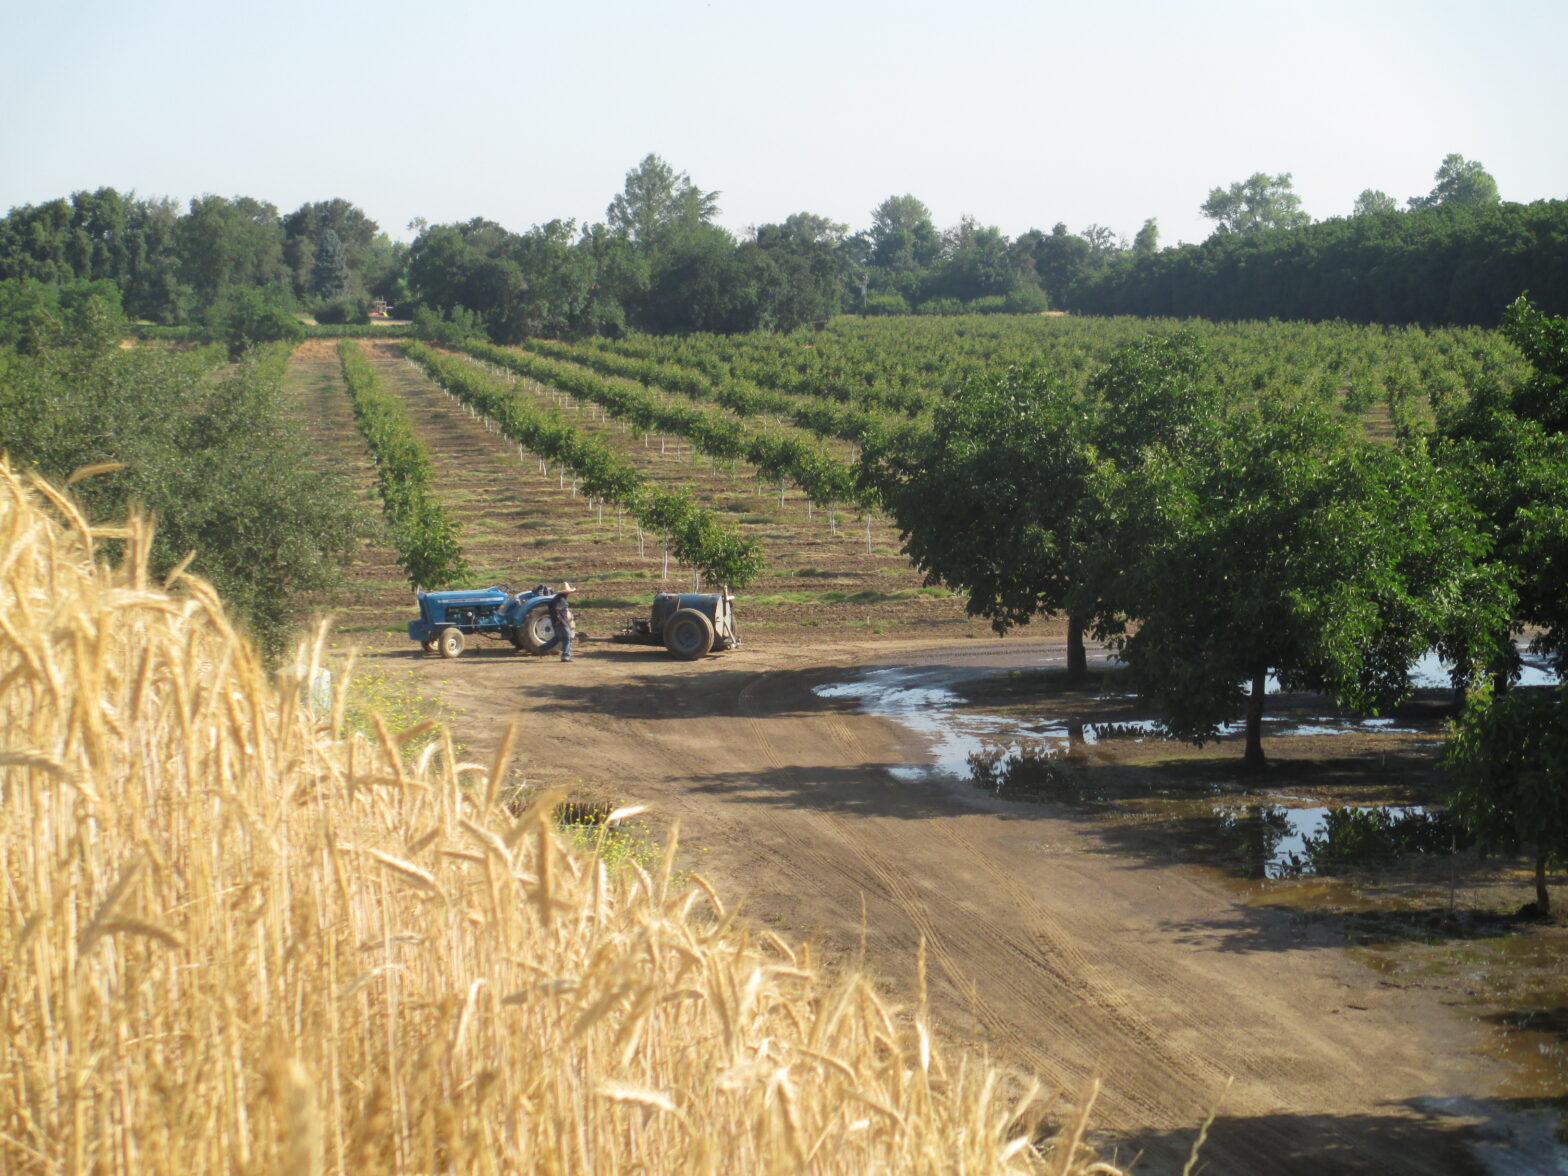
[659, 262]
[1285, 545]
[993, 499]
[1508, 761]
[1259, 202]
[658, 203]
[1459, 181]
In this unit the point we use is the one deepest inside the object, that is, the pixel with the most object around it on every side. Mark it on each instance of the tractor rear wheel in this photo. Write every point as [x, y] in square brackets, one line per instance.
[450, 642]
[688, 635]
[538, 628]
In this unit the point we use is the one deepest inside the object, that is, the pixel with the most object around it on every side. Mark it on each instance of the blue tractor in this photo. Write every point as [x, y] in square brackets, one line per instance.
[448, 619]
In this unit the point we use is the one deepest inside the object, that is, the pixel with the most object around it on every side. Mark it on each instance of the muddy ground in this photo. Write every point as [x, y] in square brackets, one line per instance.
[1100, 929]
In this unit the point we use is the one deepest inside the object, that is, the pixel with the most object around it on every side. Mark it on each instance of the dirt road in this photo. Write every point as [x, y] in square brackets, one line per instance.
[1047, 950]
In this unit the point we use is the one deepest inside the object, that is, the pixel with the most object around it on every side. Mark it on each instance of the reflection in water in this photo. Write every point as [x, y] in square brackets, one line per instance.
[1023, 772]
[1016, 759]
[1013, 749]
[1256, 840]
[1272, 841]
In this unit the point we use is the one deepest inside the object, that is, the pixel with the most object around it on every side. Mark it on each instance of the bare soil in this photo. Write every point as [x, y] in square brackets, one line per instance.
[1069, 942]
[1056, 944]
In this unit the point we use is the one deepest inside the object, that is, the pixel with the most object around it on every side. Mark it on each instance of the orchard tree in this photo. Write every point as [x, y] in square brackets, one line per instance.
[1259, 202]
[1509, 447]
[1154, 397]
[1459, 181]
[1508, 756]
[1544, 340]
[1282, 544]
[993, 499]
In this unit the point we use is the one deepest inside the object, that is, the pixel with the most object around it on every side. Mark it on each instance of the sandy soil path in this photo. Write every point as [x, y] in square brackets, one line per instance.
[1047, 950]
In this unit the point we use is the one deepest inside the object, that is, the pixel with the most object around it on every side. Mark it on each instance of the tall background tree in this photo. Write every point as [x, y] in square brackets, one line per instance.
[329, 274]
[1460, 181]
[1452, 264]
[657, 204]
[1371, 202]
[1259, 202]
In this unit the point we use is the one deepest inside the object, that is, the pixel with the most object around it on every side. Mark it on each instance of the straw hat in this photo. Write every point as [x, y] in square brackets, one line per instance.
[565, 588]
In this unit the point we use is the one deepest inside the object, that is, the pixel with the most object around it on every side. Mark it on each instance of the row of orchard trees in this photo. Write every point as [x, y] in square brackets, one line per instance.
[1215, 540]
[716, 549]
[425, 535]
[212, 452]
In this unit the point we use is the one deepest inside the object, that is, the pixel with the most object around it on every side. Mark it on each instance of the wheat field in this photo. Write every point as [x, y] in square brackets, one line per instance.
[239, 938]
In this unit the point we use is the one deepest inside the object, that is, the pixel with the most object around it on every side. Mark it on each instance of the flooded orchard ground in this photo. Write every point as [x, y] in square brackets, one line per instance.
[1345, 828]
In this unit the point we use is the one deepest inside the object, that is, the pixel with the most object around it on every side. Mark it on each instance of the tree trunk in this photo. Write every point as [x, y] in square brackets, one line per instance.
[1077, 659]
[1253, 760]
[1500, 679]
[1543, 900]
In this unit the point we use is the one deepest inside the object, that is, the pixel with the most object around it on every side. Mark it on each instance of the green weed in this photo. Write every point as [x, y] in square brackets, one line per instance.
[400, 705]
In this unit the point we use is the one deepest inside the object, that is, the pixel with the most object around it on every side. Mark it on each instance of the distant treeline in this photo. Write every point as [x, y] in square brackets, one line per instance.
[176, 266]
[239, 270]
[1451, 264]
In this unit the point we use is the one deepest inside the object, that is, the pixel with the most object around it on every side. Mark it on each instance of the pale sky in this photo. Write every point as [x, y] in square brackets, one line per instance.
[1019, 114]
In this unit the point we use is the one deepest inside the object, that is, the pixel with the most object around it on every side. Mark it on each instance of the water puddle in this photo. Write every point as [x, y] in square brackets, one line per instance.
[1279, 841]
[1293, 844]
[909, 696]
[1010, 754]
[1431, 672]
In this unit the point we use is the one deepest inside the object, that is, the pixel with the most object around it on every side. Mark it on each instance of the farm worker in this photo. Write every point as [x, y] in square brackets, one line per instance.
[560, 607]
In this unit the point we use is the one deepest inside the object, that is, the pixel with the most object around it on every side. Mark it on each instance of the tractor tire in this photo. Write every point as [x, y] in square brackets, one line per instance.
[429, 644]
[538, 628]
[450, 642]
[688, 635]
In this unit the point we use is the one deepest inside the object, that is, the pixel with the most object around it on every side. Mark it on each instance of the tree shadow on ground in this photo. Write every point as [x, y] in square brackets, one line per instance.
[663, 692]
[845, 790]
[1244, 929]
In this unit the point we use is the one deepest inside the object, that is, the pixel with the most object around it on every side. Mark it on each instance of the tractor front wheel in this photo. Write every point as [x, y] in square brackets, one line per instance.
[688, 635]
[450, 642]
[429, 644]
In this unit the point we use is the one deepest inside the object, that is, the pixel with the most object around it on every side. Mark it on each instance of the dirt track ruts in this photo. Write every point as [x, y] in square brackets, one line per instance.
[1048, 951]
